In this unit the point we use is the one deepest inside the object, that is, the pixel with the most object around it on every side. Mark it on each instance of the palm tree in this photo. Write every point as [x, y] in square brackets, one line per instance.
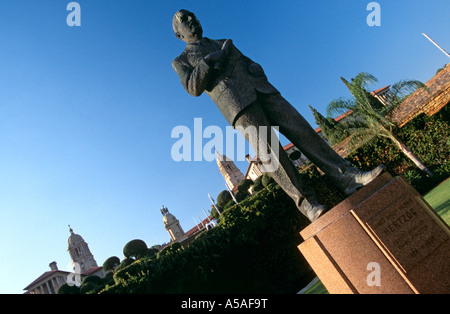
[370, 118]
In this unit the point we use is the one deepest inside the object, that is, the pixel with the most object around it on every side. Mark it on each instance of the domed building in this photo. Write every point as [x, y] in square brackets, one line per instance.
[80, 253]
[83, 263]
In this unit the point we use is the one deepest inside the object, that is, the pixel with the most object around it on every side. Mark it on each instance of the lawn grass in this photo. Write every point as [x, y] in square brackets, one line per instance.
[316, 288]
[438, 198]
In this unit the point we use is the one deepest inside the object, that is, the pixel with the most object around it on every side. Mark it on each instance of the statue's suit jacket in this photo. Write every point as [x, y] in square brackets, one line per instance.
[233, 88]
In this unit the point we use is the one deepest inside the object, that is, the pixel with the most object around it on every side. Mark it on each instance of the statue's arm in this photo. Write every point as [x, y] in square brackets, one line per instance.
[194, 79]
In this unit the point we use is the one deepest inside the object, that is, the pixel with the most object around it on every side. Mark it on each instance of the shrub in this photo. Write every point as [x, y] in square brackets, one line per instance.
[228, 205]
[174, 247]
[66, 289]
[267, 179]
[135, 248]
[88, 288]
[151, 252]
[92, 279]
[240, 196]
[108, 279]
[223, 198]
[125, 262]
[244, 185]
[111, 263]
[258, 186]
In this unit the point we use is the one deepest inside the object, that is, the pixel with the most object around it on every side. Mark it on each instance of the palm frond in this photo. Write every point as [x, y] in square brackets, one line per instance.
[402, 89]
[364, 80]
[339, 106]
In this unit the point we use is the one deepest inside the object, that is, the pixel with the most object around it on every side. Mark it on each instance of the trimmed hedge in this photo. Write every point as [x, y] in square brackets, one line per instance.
[252, 250]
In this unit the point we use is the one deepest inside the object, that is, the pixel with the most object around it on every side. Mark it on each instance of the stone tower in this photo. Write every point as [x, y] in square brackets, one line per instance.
[232, 175]
[80, 253]
[172, 226]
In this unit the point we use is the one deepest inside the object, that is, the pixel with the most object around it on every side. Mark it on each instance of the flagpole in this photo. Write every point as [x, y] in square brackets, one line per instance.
[206, 214]
[214, 204]
[196, 223]
[201, 222]
[229, 191]
[433, 42]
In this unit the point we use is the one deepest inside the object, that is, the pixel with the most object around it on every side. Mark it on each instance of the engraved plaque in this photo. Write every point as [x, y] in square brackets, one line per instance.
[407, 231]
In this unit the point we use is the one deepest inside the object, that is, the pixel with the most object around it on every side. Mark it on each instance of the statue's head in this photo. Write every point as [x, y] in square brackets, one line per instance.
[186, 26]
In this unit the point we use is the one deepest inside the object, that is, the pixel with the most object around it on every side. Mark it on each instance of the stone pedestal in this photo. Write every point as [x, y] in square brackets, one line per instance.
[383, 239]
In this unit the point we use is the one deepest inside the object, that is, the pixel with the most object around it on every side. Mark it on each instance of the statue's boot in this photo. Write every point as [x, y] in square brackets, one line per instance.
[359, 178]
[312, 209]
[354, 178]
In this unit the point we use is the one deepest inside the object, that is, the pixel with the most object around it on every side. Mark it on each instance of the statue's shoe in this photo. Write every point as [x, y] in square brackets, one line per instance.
[312, 209]
[360, 178]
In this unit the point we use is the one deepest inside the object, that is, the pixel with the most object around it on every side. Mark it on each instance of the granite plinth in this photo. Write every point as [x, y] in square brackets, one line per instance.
[385, 238]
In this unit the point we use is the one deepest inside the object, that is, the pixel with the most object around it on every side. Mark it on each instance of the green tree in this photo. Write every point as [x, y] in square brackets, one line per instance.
[67, 289]
[111, 263]
[267, 179]
[93, 279]
[370, 118]
[244, 185]
[240, 196]
[151, 252]
[214, 213]
[223, 198]
[89, 288]
[125, 262]
[258, 186]
[332, 130]
[169, 250]
[135, 248]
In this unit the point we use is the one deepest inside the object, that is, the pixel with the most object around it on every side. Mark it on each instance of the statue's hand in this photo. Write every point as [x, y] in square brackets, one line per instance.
[215, 57]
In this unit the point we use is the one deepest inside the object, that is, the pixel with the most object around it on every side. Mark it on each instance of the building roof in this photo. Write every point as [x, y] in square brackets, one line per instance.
[49, 273]
[44, 276]
[423, 101]
[92, 270]
[380, 90]
[195, 229]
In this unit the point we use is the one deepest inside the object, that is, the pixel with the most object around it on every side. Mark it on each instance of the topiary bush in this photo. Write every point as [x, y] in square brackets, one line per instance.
[223, 198]
[258, 186]
[135, 249]
[267, 179]
[125, 262]
[92, 279]
[240, 196]
[244, 185]
[66, 289]
[169, 250]
[111, 263]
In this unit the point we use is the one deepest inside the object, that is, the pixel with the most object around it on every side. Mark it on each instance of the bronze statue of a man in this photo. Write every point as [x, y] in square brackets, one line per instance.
[241, 91]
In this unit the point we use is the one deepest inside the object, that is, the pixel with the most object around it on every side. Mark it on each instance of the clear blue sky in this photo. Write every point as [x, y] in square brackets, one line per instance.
[86, 113]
